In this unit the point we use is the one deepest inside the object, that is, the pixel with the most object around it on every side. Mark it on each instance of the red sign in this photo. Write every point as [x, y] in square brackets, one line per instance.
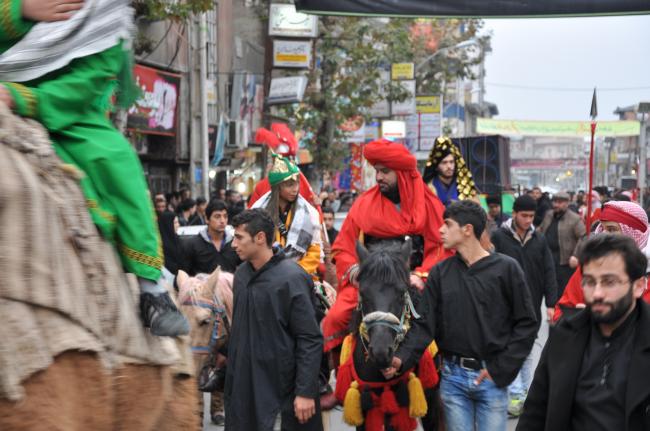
[356, 158]
[155, 112]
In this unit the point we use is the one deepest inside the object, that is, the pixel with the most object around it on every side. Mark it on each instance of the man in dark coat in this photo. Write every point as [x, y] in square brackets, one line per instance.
[275, 345]
[212, 246]
[518, 239]
[593, 373]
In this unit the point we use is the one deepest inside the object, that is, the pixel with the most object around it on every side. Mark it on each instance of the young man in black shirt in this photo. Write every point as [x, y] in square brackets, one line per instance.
[477, 307]
[212, 246]
[593, 373]
[518, 239]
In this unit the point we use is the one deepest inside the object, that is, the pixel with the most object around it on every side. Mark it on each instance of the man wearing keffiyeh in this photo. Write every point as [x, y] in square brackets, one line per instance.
[620, 217]
[61, 61]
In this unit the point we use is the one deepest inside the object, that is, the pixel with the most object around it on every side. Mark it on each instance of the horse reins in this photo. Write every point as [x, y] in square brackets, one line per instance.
[217, 310]
[400, 325]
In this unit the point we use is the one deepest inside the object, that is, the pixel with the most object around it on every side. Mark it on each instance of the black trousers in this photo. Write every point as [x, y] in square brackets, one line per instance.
[290, 422]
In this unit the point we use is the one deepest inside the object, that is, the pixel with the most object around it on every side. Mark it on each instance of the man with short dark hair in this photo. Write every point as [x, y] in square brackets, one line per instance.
[477, 307]
[518, 239]
[564, 230]
[275, 345]
[212, 246]
[496, 217]
[199, 218]
[593, 373]
[328, 220]
[543, 205]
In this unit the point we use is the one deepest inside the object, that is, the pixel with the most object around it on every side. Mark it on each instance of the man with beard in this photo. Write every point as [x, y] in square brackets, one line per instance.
[399, 205]
[447, 173]
[275, 344]
[563, 230]
[593, 373]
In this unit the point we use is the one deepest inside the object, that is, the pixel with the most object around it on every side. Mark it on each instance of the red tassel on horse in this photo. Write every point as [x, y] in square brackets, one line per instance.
[402, 421]
[343, 381]
[388, 403]
[375, 417]
[427, 371]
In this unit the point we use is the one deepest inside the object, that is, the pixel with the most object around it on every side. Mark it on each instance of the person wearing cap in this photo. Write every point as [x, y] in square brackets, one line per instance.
[447, 174]
[563, 230]
[519, 239]
[297, 222]
[399, 205]
[619, 217]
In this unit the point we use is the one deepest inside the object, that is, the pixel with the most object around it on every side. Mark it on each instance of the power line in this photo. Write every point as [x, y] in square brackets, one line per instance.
[565, 89]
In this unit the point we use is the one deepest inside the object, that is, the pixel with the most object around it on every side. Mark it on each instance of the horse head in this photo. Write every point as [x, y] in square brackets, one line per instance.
[206, 300]
[383, 299]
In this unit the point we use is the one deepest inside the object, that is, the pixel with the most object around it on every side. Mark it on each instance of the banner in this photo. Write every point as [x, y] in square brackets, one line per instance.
[486, 126]
[473, 8]
[155, 111]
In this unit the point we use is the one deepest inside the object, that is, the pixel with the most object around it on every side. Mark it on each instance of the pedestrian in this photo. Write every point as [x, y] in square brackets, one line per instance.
[496, 217]
[518, 239]
[543, 205]
[275, 345]
[185, 211]
[62, 61]
[399, 205]
[212, 246]
[623, 218]
[298, 225]
[447, 174]
[171, 244]
[478, 309]
[199, 218]
[160, 203]
[328, 220]
[593, 372]
[564, 230]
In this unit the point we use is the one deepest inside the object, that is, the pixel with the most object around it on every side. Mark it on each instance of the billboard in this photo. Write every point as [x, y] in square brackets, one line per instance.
[156, 110]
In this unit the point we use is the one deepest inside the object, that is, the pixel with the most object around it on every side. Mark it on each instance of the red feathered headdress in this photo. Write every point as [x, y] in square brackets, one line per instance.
[280, 139]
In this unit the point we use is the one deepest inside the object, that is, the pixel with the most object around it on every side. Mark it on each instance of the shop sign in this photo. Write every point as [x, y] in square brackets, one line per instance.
[289, 53]
[155, 111]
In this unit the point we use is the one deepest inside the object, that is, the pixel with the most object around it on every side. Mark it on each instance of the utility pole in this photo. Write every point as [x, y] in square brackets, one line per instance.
[643, 156]
[205, 146]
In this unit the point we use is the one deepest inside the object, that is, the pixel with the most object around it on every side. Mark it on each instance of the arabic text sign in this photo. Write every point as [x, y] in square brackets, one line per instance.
[285, 21]
[288, 53]
[155, 111]
[402, 71]
[556, 128]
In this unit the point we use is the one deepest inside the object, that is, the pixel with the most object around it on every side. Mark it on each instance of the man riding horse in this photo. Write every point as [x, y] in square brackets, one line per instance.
[399, 205]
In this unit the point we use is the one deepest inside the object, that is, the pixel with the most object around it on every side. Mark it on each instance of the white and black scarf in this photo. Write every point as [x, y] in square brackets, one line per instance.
[50, 46]
[304, 222]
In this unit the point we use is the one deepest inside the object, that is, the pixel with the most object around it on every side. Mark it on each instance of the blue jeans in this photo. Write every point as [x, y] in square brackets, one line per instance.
[470, 407]
[519, 387]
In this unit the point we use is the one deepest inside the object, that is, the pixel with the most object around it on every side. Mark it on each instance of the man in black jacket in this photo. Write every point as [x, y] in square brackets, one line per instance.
[275, 346]
[477, 307]
[593, 373]
[212, 246]
[518, 239]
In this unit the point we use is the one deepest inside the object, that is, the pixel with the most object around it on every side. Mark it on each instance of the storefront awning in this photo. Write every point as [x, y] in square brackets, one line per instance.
[474, 8]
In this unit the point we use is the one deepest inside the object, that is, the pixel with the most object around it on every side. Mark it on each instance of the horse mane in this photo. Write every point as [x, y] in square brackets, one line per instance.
[206, 287]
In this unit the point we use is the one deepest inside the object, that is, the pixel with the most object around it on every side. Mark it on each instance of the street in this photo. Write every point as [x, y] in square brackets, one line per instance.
[334, 420]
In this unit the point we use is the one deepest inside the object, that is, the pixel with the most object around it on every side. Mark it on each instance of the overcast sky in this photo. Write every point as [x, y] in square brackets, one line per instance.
[567, 53]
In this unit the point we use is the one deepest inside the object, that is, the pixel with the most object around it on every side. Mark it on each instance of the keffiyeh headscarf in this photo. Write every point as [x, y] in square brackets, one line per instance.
[632, 219]
[442, 148]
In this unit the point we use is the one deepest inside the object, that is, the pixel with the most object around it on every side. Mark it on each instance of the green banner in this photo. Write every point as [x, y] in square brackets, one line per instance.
[487, 126]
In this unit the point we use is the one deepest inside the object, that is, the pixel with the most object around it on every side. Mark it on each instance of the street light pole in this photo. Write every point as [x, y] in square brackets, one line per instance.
[643, 155]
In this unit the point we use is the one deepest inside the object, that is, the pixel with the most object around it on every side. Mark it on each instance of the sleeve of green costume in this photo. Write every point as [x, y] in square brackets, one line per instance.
[62, 98]
[12, 24]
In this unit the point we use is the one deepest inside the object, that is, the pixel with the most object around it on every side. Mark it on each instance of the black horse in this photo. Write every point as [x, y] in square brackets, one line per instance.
[382, 317]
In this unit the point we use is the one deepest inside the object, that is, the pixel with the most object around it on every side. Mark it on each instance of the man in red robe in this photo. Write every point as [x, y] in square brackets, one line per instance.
[399, 205]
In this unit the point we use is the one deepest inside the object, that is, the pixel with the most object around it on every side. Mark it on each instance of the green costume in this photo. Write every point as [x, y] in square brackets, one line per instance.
[72, 104]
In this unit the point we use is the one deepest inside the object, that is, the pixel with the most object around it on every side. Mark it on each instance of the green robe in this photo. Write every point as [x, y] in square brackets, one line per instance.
[72, 104]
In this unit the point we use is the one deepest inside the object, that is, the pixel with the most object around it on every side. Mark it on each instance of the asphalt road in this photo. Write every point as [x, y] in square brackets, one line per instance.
[333, 420]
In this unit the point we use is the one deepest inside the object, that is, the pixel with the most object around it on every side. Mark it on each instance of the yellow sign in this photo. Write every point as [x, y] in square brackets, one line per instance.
[296, 58]
[488, 126]
[427, 104]
[402, 71]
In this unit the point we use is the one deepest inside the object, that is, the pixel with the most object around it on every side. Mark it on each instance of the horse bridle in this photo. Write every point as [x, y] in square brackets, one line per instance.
[400, 325]
[217, 310]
